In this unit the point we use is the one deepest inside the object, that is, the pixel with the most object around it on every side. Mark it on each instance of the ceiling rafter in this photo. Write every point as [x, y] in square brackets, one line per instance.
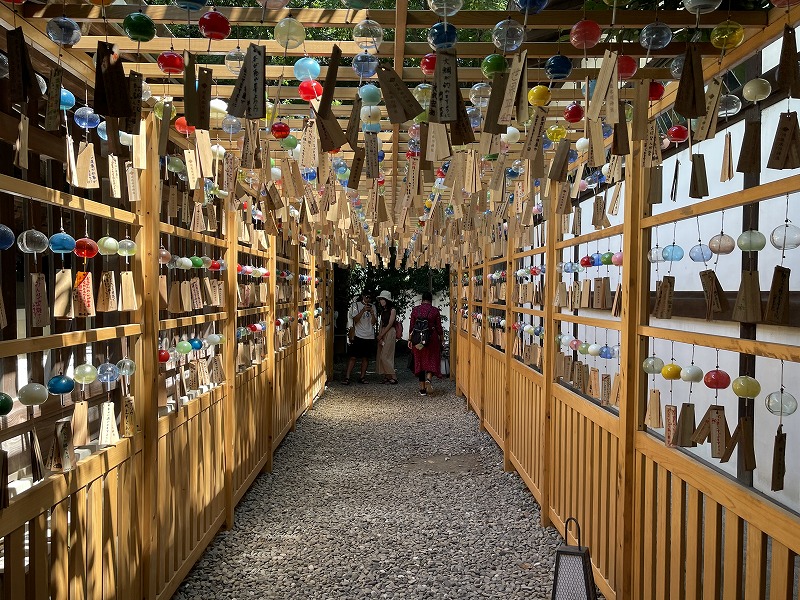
[323, 48]
[414, 19]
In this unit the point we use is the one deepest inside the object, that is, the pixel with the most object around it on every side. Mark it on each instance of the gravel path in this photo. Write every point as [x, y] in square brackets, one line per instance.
[381, 493]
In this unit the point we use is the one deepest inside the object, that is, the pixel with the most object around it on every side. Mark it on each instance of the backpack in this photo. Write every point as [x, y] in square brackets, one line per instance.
[421, 334]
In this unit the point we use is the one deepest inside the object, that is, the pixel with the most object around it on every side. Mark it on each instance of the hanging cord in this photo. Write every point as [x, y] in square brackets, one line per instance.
[786, 222]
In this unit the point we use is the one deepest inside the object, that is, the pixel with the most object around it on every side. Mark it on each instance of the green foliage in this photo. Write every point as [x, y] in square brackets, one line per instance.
[405, 284]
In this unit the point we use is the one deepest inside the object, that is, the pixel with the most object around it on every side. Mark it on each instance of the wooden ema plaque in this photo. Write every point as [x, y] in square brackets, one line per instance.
[508, 107]
[444, 104]
[106, 293]
[665, 294]
[111, 97]
[716, 302]
[52, 120]
[690, 99]
[22, 78]
[785, 153]
[670, 425]
[401, 105]
[686, 426]
[707, 124]
[109, 435]
[742, 435]
[713, 427]
[62, 452]
[491, 122]
[652, 417]
[747, 308]
[698, 182]
[559, 165]
[189, 88]
[750, 156]
[353, 125]
[777, 309]
[788, 75]
[778, 461]
[726, 170]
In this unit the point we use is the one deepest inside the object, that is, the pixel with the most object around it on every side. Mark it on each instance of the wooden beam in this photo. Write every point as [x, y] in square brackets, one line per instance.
[564, 95]
[410, 74]
[399, 57]
[541, 50]
[553, 20]
[77, 64]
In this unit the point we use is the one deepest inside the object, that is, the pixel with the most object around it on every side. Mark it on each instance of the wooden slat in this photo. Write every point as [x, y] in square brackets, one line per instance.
[650, 528]
[694, 536]
[662, 535]
[677, 538]
[758, 348]
[94, 539]
[637, 544]
[564, 317]
[732, 565]
[14, 564]
[753, 508]
[712, 549]
[191, 235]
[62, 340]
[32, 191]
[755, 578]
[38, 566]
[59, 551]
[765, 191]
[593, 236]
[782, 567]
[110, 533]
[77, 545]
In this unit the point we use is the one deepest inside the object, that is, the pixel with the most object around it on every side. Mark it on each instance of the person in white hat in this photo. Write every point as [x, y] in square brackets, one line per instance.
[387, 336]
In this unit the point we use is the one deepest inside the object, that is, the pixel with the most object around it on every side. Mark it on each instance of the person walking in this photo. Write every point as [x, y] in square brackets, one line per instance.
[387, 337]
[425, 342]
[362, 336]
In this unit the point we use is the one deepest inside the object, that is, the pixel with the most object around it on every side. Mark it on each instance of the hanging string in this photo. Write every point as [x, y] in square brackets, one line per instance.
[786, 222]
[672, 262]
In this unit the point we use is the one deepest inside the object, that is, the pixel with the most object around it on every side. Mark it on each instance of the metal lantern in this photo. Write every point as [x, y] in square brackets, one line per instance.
[573, 578]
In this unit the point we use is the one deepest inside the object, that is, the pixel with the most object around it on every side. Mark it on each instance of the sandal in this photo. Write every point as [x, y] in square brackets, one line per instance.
[391, 381]
[362, 380]
[346, 381]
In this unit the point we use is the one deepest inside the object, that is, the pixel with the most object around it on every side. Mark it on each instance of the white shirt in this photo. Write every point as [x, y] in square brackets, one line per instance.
[364, 328]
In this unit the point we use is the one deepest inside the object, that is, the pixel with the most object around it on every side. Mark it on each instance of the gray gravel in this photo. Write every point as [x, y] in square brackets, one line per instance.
[381, 493]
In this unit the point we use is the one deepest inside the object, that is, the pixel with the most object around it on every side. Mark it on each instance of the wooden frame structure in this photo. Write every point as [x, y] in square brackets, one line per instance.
[131, 520]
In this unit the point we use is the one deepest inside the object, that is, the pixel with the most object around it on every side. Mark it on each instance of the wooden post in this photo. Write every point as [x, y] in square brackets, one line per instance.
[146, 267]
[229, 356]
[548, 357]
[485, 271]
[270, 350]
[296, 384]
[635, 294]
[509, 356]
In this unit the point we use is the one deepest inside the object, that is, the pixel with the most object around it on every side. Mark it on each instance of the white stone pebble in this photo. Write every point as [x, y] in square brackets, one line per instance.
[381, 493]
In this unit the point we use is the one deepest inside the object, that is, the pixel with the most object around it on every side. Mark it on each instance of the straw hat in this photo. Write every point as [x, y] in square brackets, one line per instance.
[386, 295]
